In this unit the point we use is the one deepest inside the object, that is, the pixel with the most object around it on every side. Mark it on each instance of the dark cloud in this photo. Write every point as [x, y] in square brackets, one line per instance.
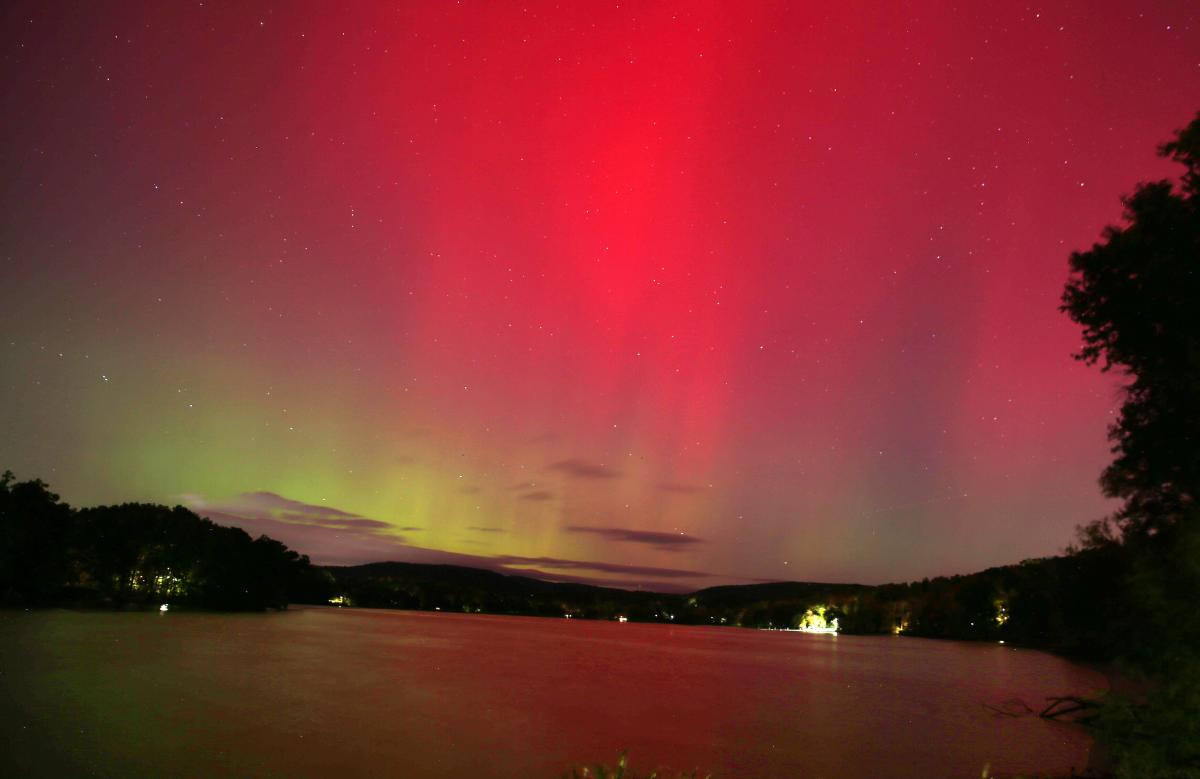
[582, 469]
[538, 495]
[270, 501]
[322, 531]
[672, 541]
[356, 523]
[340, 519]
[408, 528]
[469, 489]
[331, 536]
[325, 545]
[676, 487]
[587, 565]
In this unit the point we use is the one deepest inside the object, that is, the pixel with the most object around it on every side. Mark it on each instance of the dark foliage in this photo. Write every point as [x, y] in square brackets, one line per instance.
[35, 533]
[141, 554]
[137, 555]
[1058, 603]
[1137, 297]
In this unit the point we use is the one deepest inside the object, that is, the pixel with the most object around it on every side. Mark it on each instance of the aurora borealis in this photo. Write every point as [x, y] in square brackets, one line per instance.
[653, 294]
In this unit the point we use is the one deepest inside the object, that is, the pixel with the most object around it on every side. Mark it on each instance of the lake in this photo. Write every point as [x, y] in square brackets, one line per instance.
[323, 692]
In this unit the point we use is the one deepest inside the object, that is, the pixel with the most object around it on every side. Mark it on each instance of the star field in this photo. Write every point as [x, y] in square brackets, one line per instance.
[634, 293]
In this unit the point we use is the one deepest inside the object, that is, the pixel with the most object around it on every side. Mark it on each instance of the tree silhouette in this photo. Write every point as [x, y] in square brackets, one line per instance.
[1137, 297]
[139, 555]
[35, 530]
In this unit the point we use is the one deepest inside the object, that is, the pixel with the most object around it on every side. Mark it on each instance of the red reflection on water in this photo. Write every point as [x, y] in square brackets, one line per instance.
[328, 692]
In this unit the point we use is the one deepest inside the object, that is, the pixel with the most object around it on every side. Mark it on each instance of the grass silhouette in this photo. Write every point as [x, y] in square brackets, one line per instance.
[622, 771]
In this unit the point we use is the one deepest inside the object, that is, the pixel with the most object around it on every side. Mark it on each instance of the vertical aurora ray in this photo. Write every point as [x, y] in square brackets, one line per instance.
[784, 280]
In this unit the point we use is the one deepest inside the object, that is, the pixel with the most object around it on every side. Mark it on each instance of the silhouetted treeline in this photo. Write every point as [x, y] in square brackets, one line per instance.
[1135, 295]
[1064, 604]
[142, 554]
[138, 554]
[1067, 604]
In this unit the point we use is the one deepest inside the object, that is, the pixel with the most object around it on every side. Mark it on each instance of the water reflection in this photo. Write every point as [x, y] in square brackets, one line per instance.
[345, 692]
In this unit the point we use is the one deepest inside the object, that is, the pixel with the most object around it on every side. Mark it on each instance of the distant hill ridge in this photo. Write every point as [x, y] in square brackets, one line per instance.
[446, 572]
[146, 556]
[1048, 603]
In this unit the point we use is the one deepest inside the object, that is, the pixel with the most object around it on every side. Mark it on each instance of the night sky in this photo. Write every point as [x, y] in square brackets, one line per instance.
[655, 294]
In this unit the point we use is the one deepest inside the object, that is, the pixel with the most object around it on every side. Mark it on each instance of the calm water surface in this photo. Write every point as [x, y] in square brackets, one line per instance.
[316, 692]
